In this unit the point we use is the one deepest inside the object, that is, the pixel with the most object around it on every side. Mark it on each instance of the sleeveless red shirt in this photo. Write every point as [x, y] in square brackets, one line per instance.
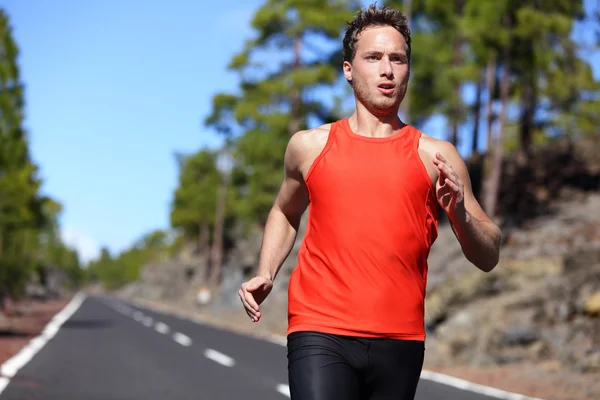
[362, 265]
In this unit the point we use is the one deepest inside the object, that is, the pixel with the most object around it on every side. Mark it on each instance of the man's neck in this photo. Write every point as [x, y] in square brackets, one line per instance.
[364, 123]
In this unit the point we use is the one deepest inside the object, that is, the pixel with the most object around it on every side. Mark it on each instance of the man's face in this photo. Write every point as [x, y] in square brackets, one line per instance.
[380, 70]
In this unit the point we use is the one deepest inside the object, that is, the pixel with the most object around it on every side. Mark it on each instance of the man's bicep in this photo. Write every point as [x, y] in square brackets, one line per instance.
[292, 199]
[293, 195]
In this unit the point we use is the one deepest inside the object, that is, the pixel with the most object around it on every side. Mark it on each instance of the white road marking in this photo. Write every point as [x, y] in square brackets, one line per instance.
[182, 339]
[161, 328]
[147, 321]
[283, 389]
[124, 309]
[219, 357]
[277, 339]
[473, 387]
[3, 383]
[14, 364]
[138, 316]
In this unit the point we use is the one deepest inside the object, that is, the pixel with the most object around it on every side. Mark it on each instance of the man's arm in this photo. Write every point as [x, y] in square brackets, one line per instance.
[283, 220]
[281, 230]
[477, 234]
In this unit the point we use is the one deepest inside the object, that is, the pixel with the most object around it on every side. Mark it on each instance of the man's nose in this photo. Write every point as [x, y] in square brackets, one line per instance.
[385, 67]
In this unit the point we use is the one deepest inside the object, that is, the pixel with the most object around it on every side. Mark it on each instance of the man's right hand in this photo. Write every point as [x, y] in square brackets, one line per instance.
[253, 293]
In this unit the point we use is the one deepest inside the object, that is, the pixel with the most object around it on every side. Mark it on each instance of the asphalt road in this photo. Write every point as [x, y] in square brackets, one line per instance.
[111, 350]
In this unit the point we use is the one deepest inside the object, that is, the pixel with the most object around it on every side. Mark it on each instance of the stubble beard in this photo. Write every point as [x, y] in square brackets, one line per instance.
[376, 103]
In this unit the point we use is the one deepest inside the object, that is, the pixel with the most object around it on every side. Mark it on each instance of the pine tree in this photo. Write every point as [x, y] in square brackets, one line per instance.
[296, 52]
[21, 214]
[193, 206]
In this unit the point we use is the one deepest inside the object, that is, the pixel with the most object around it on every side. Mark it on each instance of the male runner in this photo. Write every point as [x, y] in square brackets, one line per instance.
[356, 298]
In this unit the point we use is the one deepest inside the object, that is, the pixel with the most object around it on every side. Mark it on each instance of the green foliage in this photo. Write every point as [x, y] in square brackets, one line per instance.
[295, 51]
[547, 75]
[115, 271]
[195, 198]
[29, 231]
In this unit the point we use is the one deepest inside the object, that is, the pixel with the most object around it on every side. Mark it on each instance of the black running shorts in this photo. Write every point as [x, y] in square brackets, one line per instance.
[332, 367]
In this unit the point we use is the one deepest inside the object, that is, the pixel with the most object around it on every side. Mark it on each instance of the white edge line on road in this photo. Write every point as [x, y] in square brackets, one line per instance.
[182, 339]
[473, 387]
[15, 363]
[283, 389]
[219, 357]
[3, 383]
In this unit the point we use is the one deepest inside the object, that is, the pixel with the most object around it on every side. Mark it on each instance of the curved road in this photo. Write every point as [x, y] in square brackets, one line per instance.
[109, 349]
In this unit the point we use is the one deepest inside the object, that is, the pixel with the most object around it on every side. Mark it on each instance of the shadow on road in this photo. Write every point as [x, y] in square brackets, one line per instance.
[88, 324]
[13, 333]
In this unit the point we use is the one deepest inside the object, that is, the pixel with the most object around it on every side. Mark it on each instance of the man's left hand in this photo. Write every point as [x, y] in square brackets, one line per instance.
[450, 190]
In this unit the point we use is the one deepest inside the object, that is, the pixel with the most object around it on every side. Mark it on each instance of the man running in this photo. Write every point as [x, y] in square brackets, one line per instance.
[356, 299]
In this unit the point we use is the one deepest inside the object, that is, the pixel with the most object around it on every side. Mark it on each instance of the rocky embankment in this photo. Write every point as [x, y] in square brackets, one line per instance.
[541, 304]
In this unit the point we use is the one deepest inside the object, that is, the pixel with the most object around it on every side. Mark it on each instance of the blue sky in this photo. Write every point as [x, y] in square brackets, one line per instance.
[113, 90]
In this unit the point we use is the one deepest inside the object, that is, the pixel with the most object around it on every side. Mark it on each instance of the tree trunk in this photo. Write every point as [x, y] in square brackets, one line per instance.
[217, 245]
[476, 117]
[455, 108]
[405, 107]
[528, 104]
[203, 237]
[491, 89]
[493, 184]
[296, 94]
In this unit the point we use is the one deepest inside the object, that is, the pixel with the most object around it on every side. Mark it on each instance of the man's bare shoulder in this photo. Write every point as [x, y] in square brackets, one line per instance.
[307, 141]
[310, 138]
[432, 145]
[305, 145]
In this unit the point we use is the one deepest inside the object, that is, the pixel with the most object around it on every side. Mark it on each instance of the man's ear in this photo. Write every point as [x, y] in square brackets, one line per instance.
[348, 71]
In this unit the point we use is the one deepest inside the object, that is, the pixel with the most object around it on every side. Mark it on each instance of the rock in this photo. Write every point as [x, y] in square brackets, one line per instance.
[591, 362]
[539, 350]
[521, 333]
[5, 323]
[203, 296]
[550, 365]
[536, 267]
[592, 304]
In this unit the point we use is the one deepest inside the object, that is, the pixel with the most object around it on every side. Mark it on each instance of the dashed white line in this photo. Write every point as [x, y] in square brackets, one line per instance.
[162, 328]
[283, 389]
[138, 316]
[147, 321]
[124, 310]
[182, 339]
[219, 357]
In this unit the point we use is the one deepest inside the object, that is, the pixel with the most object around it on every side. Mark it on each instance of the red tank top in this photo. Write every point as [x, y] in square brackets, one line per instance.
[362, 266]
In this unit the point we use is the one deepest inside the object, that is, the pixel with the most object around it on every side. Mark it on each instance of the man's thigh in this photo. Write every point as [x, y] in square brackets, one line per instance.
[395, 368]
[318, 369]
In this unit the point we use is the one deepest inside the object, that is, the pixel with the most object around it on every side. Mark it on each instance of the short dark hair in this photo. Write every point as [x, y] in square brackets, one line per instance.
[371, 17]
